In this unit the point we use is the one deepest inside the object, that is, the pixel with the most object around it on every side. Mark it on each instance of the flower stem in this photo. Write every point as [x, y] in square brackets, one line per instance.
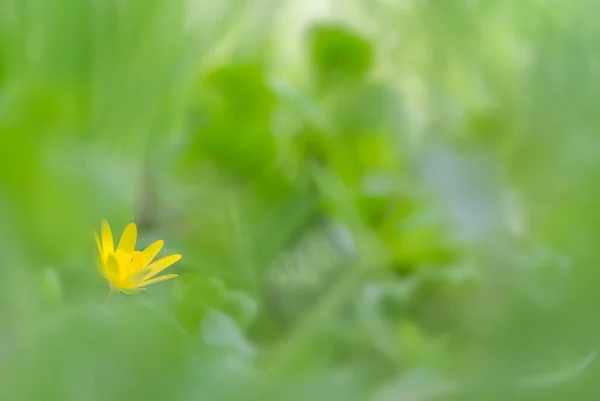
[110, 295]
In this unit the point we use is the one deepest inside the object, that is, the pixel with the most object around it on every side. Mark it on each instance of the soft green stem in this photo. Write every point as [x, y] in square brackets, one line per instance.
[110, 295]
[327, 307]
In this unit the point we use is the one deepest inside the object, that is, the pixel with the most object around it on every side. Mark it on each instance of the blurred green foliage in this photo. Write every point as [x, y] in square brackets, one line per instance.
[375, 200]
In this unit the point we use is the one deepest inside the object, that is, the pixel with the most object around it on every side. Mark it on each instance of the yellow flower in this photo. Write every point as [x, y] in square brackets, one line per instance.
[126, 269]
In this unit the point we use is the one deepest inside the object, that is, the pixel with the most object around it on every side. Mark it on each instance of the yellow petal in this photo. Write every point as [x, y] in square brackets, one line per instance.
[108, 245]
[128, 238]
[158, 279]
[137, 262]
[160, 265]
[127, 283]
[98, 244]
[123, 259]
[111, 268]
[151, 252]
[100, 267]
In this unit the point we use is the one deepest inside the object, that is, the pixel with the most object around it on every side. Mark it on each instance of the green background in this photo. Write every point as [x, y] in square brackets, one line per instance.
[374, 200]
